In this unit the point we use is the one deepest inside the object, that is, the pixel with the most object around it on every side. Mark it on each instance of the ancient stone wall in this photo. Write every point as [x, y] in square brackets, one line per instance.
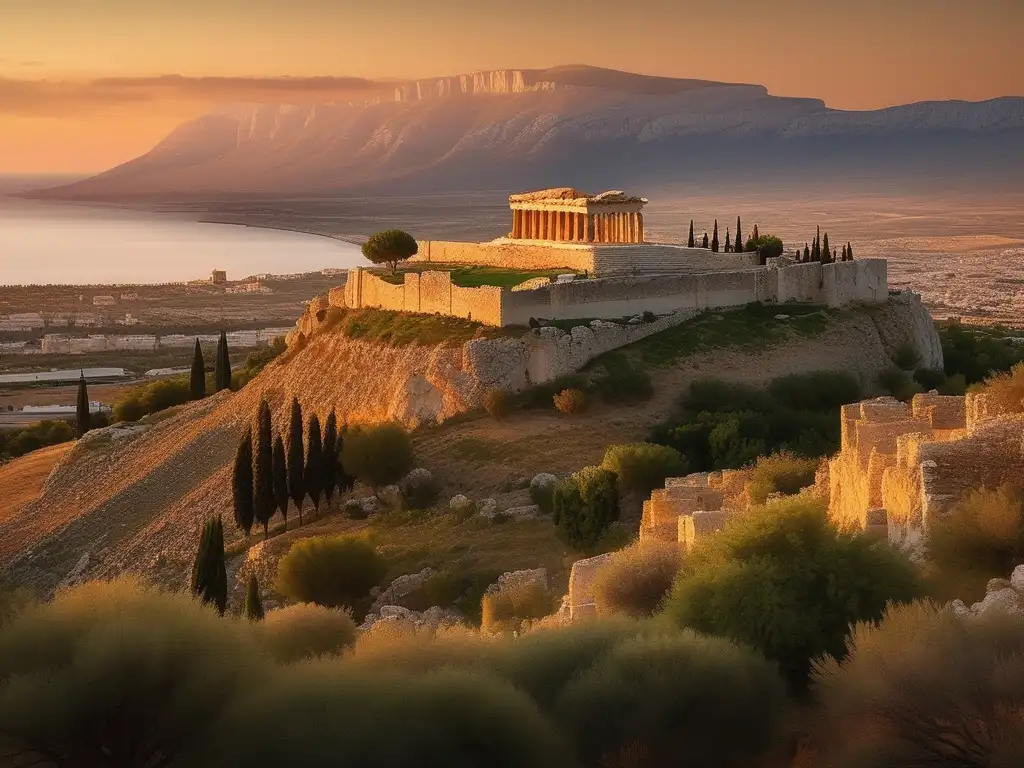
[907, 465]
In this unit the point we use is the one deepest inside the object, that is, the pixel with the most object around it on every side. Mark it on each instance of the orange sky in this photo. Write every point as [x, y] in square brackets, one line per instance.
[855, 54]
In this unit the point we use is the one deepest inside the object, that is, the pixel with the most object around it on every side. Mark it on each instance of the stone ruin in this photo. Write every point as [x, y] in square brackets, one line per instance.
[901, 465]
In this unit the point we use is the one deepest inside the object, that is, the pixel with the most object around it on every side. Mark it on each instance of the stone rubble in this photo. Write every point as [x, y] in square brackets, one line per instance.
[516, 579]
[404, 619]
[401, 588]
[1001, 596]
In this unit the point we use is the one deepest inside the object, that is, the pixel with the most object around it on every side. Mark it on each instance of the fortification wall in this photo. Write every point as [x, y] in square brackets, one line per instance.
[507, 255]
[908, 464]
[425, 292]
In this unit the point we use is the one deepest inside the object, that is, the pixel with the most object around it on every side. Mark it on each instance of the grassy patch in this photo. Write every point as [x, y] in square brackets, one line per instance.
[475, 276]
[751, 328]
[480, 449]
[403, 328]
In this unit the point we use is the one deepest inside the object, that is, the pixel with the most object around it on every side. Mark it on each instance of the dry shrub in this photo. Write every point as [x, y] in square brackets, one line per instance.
[688, 698]
[636, 579]
[642, 467]
[306, 631]
[982, 537]
[329, 713]
[390, 646]
[572, 401]
[924, 687]
[119, 673]
[498, 403]
[1007, 389]
[506, 610]
[784, 473]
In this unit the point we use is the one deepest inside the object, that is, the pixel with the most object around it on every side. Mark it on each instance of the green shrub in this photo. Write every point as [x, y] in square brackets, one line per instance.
[390, 247]
[305, 631]
[15, 443]
[543, 495]
[355, 511]
[443, 588]
[332, 571]
[152, 397]
[621, 383]
[762, 581]
[929, 379]
[585, 504]
[924, 687]
[723, 425]
[378, 455]
[571, 401]
[498, 403]
[642, 467]
[420, 490]
[256, 361]
[907, 356]
[690, 700]
[899, 384]
[783, 473]
[954, 385]
[447, 718]
[118, 673]
[982, 537]
[507, 609]
[636, 580]
[13, 602]
[977, 353]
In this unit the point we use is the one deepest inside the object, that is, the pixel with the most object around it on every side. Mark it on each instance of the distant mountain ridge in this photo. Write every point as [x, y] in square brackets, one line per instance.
[576, 125]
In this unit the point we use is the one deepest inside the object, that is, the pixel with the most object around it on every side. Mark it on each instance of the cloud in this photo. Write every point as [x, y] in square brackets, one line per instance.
[50, 98]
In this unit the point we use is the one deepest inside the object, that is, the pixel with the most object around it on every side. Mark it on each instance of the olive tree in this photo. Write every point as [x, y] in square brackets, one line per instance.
[390, 247]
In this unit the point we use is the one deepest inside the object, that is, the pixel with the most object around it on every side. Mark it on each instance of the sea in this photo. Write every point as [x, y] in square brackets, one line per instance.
[48, 243]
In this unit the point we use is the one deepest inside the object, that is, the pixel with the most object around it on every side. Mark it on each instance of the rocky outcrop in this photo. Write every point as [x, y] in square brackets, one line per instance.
[904, 320]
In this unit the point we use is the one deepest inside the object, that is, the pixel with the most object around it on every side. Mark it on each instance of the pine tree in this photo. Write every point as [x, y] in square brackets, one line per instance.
[849, 251]
[82, 415]
[330, 457]
[263, 470]
[281, 480]
[704, 241]
[714, 238]
[253, 604]
[689, 241]
[198, 382]
[242, 485]
[314, 474]
[296, 458]
[738, 247]
[209, 576]
[826, 253]
[222, 369]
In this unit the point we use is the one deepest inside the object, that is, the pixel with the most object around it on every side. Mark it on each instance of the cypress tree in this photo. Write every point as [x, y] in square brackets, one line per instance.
[756, 236]
[849, 251]
[263, 470]
[825, 251]
[739, 237]
[281, 480]
[807, 252]
[198, 381]
[296, 458]
[82, 415]
[209, 576]
[704, 241]
[242, 485]
[222, 369]
[728, 244]
[714, 238]
[330, 457]
[314, 474]
[253, 604]
[689, 241]
[345, 481]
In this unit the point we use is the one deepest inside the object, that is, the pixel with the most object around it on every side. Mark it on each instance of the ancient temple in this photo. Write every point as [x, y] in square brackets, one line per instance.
[570, 216]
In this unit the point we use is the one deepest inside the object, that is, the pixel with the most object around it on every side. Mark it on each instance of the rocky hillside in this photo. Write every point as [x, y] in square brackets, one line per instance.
[531, 128]
[132, 497]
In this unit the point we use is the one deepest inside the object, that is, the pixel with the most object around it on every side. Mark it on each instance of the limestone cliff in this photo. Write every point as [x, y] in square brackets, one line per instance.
[904, 320]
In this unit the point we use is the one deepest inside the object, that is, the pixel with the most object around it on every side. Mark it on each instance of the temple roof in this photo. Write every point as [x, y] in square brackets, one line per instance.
[574, 196]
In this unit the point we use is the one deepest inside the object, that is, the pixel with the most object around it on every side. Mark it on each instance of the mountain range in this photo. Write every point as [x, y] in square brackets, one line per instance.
[581, 126]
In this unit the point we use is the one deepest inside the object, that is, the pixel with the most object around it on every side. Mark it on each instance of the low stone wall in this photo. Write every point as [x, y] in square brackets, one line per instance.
[428, 292]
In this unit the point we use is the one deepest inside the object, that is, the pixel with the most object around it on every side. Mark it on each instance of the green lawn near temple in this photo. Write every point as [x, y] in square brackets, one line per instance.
[470, 276]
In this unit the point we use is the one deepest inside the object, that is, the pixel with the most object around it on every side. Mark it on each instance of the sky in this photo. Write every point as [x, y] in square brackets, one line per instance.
[88, 84]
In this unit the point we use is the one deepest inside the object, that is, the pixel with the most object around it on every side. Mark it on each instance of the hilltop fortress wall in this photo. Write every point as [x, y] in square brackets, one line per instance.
[430, 292]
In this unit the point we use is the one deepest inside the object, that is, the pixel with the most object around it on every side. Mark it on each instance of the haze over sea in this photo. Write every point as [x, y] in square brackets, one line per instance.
[43, 243]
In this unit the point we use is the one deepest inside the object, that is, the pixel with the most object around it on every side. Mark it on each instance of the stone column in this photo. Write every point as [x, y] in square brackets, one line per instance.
[639, 227]
[516, 224]
[618, 227]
